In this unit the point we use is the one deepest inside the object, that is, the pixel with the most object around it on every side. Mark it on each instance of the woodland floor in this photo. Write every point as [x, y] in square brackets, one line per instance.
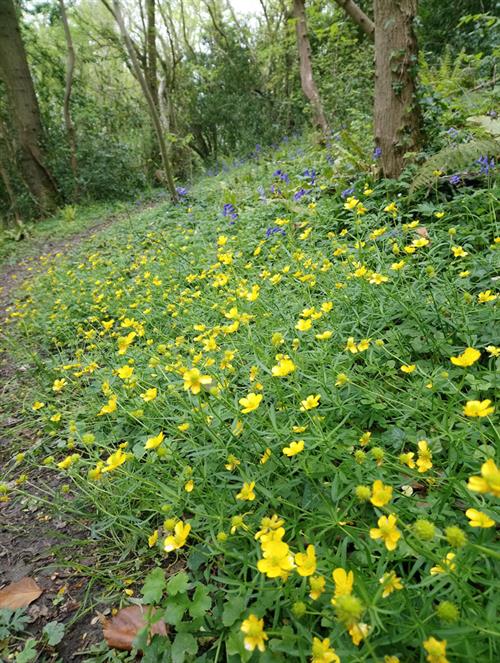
[32, 541]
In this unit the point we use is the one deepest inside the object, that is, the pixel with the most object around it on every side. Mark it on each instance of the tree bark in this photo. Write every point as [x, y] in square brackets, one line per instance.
[14, 72]
[68, 121]
[358, 16]
[397, 118]
[306, 73]
[155, 117]
[151, 53]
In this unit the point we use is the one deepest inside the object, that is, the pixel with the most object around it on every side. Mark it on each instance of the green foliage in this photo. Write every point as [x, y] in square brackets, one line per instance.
[455, 159]
[369, 310]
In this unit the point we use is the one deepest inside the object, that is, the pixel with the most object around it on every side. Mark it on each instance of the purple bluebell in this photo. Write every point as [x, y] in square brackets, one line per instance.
[455, 180]
[182, 191]
[377, 152]
[274, 230]
[300, 194]
[486, 164]
[229, 210]
[347, 192]
[282, 175]
[452, 132]
[311, 175]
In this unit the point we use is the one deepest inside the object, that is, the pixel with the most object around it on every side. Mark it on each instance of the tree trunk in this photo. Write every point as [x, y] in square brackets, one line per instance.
[155, 117]
[306, 74]
[15, 74]
[397, 118]
[68, 122]
[151, 54]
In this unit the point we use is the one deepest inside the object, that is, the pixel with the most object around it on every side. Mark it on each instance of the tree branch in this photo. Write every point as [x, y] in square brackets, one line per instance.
[358, 16]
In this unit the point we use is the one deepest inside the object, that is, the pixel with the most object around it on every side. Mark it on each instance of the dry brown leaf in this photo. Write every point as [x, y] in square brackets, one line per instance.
[120, 631]
[19, 594]
[422, 231]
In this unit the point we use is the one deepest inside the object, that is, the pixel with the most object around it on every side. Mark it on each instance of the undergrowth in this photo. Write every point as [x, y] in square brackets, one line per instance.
[275, 396]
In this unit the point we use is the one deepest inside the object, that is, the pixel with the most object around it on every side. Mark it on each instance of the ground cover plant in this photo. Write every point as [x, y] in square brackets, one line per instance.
[272, 408]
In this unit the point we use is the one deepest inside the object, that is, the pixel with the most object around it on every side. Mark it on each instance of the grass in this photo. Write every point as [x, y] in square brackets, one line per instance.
[316, 476]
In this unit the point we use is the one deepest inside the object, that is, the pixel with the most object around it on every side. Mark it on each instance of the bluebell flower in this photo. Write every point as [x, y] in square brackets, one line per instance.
[347, 192]
[486, 164]
[300, 194]
[229, 210]
[455, 180]
[311, 174]
[377, 152]
[274, 230]
[282, 175]
[182, 191]
[452, 132]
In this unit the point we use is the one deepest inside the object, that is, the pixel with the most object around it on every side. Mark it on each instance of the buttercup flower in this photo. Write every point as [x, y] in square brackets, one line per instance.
[294, 448]
[468, 357]
[381, 495]
[489, 481]
[322, 652]
[310, 402]
[178, 538]
[250, 402]
[255, 636]
[478, 408]
[247, 494]
[479, 519]
[194, 380]
[306, 562]
[436, 650]
[387, 531]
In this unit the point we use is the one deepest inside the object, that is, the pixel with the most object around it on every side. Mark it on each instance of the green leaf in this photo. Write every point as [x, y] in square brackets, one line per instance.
[178, 584]
[54, 631]
[201, 602]
[232, 610]
[184, 643]
[154, 586]
[175, 609]
[29, 653]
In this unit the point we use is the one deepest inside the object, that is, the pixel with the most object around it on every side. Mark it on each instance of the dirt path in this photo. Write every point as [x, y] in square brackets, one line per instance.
[33, 541]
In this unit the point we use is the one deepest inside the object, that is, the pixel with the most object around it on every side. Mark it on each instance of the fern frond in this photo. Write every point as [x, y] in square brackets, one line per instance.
[454, 158]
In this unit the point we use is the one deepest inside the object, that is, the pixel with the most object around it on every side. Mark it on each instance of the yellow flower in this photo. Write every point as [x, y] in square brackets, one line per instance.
[232, 463]
[408, 368]
[194, 380]
[306, 562]
[115, 460]
[387, 531]
[310, 402]
[493, 351]
[436, 650]
[351, 202]
[37, 405]
[479, 519]
[149, 394]
[390, 583]
[189, 486]
[489, 481]
[59, 385]
[381, 495]
[124, 342]
[152, 540]
[407, 459]
[364, 344]
[284, 367]
[250, 402]
[447, 564]
[341, 380]
[468, 357]
[324, 336]
[358, 632]
[322, 652]
[486, 296]
[391, 208]
[378, 279]
[303, 325]
[265, 456]
[391, 659]
[255, 636]
[68, 461]
[178, 538]
[109, 407]
[351, 345]
[365, 438]
[317, 587]
[344, 582]
[294, 448]
[396, 266]
[459, 252]
[125, 372]
[424, 460]
[154, 442]
[478, 408]
[277, 561]
[183, 427]
[247, 494]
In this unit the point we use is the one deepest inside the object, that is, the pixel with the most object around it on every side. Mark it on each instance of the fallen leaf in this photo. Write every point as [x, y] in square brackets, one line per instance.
[120, 631]
[422, 231]
[19, 594]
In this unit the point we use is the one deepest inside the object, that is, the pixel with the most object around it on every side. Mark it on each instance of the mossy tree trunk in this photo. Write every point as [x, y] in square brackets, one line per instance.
[397, 118]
